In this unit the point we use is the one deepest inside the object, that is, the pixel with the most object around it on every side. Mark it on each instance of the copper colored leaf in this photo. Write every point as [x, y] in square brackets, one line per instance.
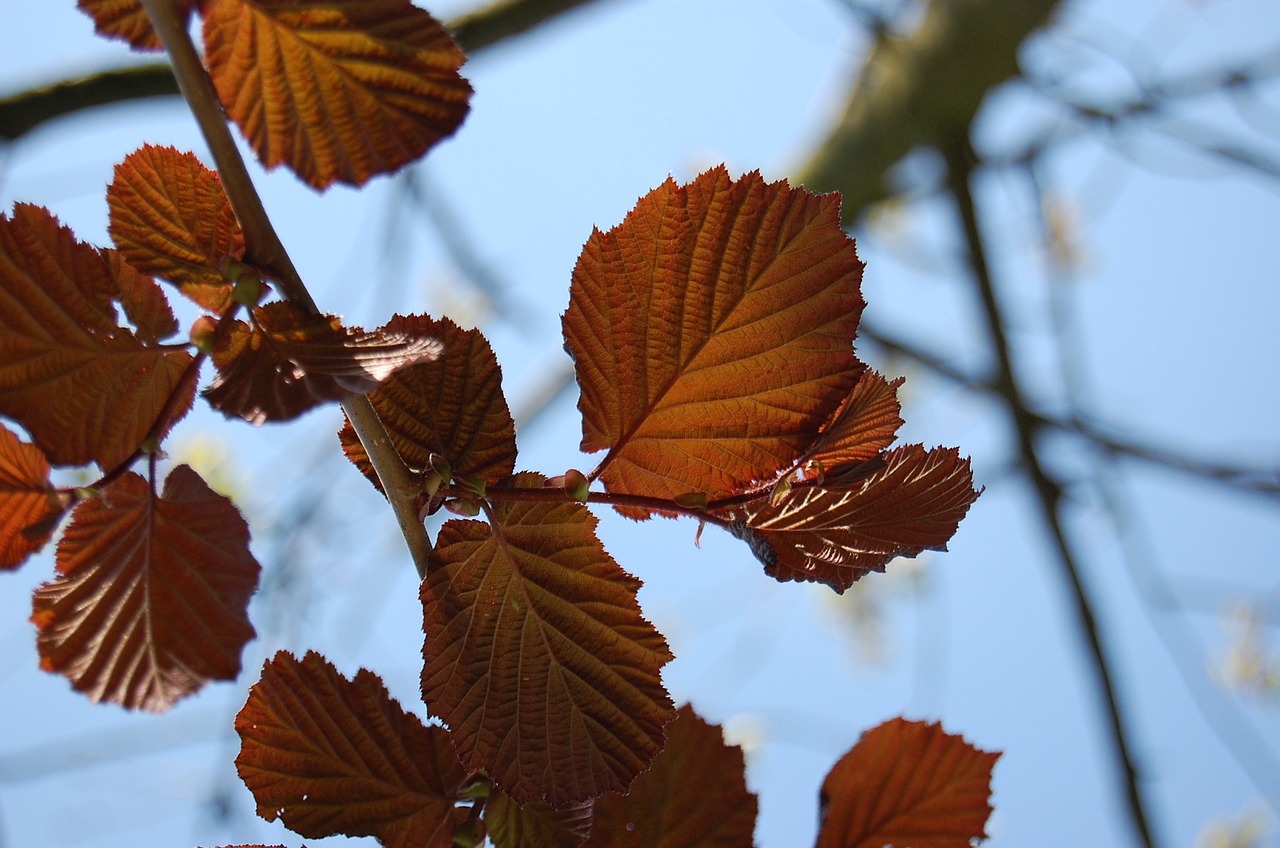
[143, 300]
[907, 783]
[29, 506]
[836, 534]
[537, 656]
[536, 824]
[452, 406]
[87, 389]
[288, 361]
[338, 91]
[170, 218]
[328, 756]
[865, 424]
[152, 593]
[693, 796]
[125, 20]
[712, 333]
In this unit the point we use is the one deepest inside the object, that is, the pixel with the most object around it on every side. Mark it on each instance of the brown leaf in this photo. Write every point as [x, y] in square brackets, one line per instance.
[693, 796]
[712, 334]
[907, 783]
[864, 425]
[126, 20]
[29, 505]
[536, 824]
[85, 388]
[170, 218]
[836, 534]
[143, 300]
[338, 91]
[537, 657]
[329, 756]
[452, 406]
[288, 361]
[152, 594]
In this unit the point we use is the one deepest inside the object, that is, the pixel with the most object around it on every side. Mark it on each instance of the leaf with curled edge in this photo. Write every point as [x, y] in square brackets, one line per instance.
[152, 594]
[170, 218]
[330, 756]
[536, 824]
[537, 656]
[451, 406]
[84, 387]
[712, 334]
[127, 21]
[29, 504]
[338, 91]
[836, 534]
[907, 783]
[865, 424]
[693, 796]
[287, 361]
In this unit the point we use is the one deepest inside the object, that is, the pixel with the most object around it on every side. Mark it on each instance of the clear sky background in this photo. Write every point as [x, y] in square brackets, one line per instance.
[1173, 298]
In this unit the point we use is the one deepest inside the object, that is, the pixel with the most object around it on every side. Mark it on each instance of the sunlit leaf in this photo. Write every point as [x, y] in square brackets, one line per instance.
[338, 91]
[836, 534]
[287, 361]
[87, 389]
[170, 218]
[907, 783]
[29, 506]
[452, 406]
[328, 756]
[537, 657]
[536, 824]
[865, 424]
[125, 20]
[143, 300]
[152, 593]
[693, 796]
[712, 334]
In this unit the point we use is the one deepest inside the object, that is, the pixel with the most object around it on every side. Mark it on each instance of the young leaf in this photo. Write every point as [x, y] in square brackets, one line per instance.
[536, 824]
[152, 594]
[536, 654]
[712, 334]
[693, 796]
[865, 424]
[29, 506]
[289, 361]
[329, 756]
[452, 407]
[907, 783]
[170, 218]
[836, 534]
[125, 20]
[339, 91]
[85, 388]
[143, 300]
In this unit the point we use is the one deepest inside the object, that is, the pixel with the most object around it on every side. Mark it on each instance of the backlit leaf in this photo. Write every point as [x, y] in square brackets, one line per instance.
[712, 334]
[87, 389]
[143, 300]
[338, 91]
[29, 506]
[536, 824]
[287, 361]
[836, 534]
[170, 218]
[907, 783]
[125, 20]
[537, 657]
[152, 593]
[452, 406]
[693, 796]
[328, 756]
[865, 424]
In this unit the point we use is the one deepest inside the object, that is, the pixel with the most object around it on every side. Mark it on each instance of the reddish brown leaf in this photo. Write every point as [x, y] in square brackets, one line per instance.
[85, 388]
[125, 20]
[865, 424]
[328, 756]
[907, 783]
[143, 300]
[288, 361]
[536, 824]
[29, 505]
[452, 406]
[537, 656]
[152, 594]
[693, 796]
[338, 91]
[712, 334]
[170, 218]
[836, 534]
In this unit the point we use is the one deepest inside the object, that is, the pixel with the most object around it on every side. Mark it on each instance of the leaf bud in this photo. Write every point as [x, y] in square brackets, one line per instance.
[577, 485]
[467, 509]
[692, 500]
[469, 834]
[441, 466]
[204, 332]
[247, 290]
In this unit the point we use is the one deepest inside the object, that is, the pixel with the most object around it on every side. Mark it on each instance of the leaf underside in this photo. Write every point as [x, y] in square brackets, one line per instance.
[330, 756]
[29, 506]
[125, 20]
[537, 657]
[338, 91]
[152, 594]
[536, 824]
[907, 783]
